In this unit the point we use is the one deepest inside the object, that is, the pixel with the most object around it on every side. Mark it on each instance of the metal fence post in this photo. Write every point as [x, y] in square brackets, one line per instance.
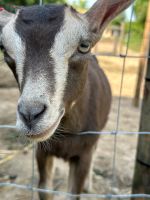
[141, 182]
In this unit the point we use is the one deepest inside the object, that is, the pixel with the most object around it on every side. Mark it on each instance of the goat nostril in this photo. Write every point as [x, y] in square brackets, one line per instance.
[22, 113]
[28, 114]
[40, 111]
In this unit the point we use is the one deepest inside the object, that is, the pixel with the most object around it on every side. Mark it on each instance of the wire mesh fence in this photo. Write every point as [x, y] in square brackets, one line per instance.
[114, 133]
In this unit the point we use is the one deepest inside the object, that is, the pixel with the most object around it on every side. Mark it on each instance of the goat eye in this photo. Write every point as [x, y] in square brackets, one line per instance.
[84, 47]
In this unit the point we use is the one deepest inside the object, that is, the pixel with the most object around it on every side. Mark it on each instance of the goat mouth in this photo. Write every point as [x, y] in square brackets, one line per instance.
[42, 136]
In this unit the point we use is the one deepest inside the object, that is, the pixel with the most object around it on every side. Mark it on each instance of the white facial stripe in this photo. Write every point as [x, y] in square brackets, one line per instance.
[15, 46]
[35, 91]
[66, 43]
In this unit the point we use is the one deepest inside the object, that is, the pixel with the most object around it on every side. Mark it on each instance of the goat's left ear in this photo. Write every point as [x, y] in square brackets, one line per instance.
[5, 17]
[102, 12]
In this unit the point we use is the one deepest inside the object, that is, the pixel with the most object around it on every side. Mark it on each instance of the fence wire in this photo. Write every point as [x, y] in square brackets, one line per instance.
[114, 133]
[114, 175]
[113, 55]
[66, 194]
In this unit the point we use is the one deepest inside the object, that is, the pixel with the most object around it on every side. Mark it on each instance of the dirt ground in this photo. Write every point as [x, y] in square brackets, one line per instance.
[20, 167]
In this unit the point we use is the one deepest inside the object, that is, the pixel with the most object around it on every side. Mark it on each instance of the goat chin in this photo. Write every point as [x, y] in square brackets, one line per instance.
[44, 135]
[41, 137]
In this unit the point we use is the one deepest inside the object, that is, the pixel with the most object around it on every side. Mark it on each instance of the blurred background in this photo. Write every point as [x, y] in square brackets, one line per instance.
[128, 35]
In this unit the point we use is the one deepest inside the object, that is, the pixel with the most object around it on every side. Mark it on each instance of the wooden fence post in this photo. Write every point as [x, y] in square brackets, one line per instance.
[142, 61]
[141, 181]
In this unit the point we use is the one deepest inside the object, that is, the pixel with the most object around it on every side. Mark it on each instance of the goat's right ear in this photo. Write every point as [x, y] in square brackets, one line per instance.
[5, 17]
[102, 12]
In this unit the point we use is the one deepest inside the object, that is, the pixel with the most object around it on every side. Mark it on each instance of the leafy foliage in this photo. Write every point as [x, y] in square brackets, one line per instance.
[140, 12]
[29, 2]
[137, 28]
[10, 4]
[140, 9]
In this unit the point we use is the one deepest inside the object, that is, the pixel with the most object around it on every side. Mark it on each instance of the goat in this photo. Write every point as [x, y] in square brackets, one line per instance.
[63, 89]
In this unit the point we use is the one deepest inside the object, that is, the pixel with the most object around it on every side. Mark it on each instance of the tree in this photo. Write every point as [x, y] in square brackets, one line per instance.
[140, 9]
[29, 2]
[10, 4]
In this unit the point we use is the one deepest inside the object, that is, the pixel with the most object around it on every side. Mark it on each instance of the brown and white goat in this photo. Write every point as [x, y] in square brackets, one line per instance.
[63, 89]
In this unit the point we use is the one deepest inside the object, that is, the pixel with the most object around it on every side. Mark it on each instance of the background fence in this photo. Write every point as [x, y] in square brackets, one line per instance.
[114, 132]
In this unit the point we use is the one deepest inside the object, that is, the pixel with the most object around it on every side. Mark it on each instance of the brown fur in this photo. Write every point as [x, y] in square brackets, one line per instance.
[89, 113]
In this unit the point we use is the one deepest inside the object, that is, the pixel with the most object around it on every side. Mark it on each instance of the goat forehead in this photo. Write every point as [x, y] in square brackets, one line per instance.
[38, 25]
[41, 14]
